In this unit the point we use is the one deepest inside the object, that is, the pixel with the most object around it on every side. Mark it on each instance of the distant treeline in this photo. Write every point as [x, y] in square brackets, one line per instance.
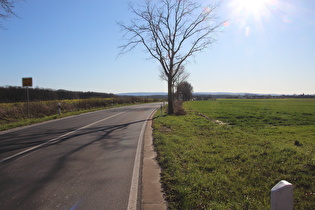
[11, 94]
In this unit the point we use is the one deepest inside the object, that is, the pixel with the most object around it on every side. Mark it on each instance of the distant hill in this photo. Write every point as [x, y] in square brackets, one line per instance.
[232, 94]
[205, 95]
[220, 93]
[195, 93]
[143, 94]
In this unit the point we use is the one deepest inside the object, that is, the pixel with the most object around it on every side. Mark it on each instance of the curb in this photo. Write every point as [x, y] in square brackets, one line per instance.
[152, 195]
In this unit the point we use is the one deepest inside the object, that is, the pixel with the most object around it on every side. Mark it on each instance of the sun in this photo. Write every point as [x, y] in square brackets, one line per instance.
[252, 6]
[251, 14]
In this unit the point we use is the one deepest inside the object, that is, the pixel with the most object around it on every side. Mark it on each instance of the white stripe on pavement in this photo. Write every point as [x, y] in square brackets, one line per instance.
[57, 138]
[133, 195]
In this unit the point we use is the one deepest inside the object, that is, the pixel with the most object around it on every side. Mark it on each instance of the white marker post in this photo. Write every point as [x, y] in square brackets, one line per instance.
[59, 108]
[161, 108]
[282, 196]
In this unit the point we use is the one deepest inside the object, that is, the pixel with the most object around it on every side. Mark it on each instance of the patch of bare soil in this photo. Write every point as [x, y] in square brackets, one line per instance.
[212, 120]
[165, 129]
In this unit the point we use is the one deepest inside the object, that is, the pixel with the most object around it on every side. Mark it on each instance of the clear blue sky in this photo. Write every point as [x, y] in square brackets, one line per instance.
[266, 47]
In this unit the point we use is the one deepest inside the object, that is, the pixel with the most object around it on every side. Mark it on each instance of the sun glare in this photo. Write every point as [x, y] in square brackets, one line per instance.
[251, 12]
[252, 6]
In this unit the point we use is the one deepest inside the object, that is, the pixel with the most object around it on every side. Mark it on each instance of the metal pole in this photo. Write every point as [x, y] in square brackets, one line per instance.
[28, 102]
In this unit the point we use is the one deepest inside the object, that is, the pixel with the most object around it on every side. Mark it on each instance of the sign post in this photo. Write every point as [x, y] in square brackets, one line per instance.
[27, 82]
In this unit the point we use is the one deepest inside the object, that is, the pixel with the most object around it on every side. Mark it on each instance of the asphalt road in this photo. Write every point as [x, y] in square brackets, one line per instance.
[89, 161]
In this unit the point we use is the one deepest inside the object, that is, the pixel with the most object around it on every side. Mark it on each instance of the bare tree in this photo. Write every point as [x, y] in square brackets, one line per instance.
[184, 90]
[171, 31]
[181, 76]
[6, 9]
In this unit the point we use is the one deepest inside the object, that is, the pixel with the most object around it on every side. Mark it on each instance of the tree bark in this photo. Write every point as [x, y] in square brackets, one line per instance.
[170, 97]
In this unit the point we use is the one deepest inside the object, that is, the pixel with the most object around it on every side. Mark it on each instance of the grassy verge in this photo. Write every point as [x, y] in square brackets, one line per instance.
[14, 114]
[25, 122]
[207, 165]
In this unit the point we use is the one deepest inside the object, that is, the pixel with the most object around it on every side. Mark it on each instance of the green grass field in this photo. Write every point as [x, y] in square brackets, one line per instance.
[207, 165]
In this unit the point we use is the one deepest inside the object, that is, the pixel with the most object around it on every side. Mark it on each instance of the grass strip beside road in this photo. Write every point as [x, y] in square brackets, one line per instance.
[207, 165]
[30, 121]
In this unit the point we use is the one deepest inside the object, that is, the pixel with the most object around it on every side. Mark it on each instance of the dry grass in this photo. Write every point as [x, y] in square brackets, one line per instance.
[15, 114]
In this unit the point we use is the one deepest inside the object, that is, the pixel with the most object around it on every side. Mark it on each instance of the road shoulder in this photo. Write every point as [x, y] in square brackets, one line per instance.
[152, 195]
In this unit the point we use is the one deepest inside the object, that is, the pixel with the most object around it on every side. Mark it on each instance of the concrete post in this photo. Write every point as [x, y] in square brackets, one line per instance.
[282, 196]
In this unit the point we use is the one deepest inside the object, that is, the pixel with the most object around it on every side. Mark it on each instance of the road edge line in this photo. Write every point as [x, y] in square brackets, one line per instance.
[152, 193]
[134, 188]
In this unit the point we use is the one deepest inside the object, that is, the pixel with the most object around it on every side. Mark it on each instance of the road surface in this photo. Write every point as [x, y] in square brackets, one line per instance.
[89, 161]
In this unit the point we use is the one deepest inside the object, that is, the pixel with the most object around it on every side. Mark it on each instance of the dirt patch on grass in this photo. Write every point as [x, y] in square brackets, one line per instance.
[165, 129]
[212, 120]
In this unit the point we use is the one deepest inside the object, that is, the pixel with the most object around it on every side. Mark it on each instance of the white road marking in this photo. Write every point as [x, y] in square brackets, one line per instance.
[133, 195]
[57, 138]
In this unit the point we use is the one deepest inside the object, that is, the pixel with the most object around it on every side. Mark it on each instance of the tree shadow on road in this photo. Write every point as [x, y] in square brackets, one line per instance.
[99, 135]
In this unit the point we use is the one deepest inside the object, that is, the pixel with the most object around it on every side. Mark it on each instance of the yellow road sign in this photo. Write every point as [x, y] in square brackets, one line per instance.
[27, 82]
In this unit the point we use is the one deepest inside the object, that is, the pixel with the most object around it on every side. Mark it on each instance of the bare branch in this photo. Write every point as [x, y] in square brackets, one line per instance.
[171, 31]
[6, 9]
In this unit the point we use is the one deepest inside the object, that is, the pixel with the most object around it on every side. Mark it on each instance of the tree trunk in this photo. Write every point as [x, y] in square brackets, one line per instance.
[170, 97]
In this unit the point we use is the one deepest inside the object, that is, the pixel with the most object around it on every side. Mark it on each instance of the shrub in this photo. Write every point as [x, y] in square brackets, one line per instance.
[178, 108]
[14, 112]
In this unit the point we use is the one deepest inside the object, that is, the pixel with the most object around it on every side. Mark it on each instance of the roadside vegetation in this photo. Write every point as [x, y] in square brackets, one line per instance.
[15, 114]
[228, 154]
